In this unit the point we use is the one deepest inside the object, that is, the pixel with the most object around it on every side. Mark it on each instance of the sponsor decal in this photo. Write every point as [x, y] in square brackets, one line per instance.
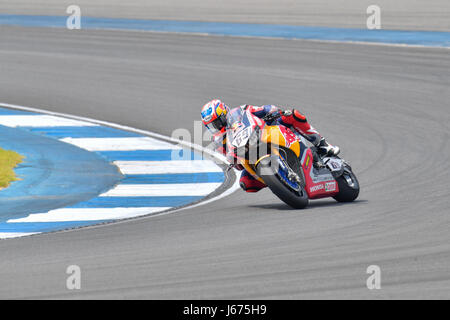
[330, 186]
[288, 136]
[334, 164]
[308, 159]
[321, 178]
[316, 188]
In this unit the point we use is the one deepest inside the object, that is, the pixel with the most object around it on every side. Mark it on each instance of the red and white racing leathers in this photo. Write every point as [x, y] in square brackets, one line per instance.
[293, 119]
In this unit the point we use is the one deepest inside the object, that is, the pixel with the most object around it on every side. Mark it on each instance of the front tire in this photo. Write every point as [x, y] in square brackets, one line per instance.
[297, 200]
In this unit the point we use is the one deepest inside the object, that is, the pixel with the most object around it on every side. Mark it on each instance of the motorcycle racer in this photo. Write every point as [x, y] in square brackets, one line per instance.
[214, 117]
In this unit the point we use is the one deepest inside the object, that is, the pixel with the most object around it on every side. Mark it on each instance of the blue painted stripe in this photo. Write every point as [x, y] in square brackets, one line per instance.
[12, 112]
[45, 226]
[426, 38]
[174, 178]
[82, 132]
[151, 155]
[135, 202]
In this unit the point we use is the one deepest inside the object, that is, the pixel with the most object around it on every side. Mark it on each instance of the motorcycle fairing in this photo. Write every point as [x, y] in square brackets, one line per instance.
[320, 182]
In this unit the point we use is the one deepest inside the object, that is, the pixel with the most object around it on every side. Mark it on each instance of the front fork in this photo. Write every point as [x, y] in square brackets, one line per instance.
[289, 176]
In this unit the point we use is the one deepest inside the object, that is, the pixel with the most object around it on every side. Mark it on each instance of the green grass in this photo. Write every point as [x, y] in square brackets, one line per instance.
[8, 161]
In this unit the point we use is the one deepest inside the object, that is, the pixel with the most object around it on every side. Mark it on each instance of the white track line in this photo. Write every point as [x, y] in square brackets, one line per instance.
[168, 167]
[6, 235]
[159, 190]
[119, 144]
[42, 121]
[88, 214]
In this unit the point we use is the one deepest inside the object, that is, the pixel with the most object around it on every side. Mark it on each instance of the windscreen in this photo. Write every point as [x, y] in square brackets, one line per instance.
[235, 116]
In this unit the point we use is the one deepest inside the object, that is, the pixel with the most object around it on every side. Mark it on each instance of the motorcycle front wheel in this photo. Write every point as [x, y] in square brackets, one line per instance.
[348, 187]
[297, 199]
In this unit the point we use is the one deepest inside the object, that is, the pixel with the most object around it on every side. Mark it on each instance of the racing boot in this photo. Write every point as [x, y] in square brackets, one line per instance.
[324, 149]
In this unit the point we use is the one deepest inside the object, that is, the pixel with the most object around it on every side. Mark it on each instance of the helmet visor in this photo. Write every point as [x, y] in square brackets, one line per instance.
[218, 124]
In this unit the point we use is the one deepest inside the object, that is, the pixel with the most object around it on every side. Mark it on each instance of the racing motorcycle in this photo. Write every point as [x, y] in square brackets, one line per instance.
[280, 158]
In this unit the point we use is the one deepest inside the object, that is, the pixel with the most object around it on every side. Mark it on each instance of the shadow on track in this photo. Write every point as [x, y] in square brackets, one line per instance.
[313, 204]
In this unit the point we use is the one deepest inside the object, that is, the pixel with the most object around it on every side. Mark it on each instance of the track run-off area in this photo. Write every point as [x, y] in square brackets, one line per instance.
[385, 106]
[96, 173]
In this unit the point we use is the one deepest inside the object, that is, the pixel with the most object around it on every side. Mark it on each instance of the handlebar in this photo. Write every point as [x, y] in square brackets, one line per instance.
[272, 116]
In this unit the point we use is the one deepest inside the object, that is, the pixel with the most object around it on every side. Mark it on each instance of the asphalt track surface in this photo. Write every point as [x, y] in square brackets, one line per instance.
[385, 106]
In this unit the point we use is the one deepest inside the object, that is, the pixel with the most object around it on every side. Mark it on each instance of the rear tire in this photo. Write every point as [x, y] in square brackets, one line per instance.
[286, 194]
[348, 192]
